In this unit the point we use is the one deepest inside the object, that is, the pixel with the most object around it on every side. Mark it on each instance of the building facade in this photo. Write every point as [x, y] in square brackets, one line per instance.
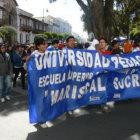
[27, 26]
[8, 13]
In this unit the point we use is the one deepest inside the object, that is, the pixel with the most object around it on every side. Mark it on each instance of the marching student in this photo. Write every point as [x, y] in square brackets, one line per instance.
[41, 46]
[103, 51]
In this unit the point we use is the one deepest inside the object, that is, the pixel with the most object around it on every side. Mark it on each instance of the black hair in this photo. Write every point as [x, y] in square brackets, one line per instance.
[67, 40]
[103, 39]
[55, 42]
[39, 40]
[1, 46]
[114, 42]
[29, 50]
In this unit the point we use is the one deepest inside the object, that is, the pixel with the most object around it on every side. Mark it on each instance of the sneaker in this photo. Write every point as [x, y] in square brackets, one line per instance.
[70, 113]
[2, 100]
[43, 125]
[7, 98]
[105, 110]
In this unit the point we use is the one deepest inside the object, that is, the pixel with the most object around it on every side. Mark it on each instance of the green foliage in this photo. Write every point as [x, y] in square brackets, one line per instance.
[55, 35]
[125, 14]
[8, 31]
[135, 30]
[66, 35]
[60, 36]
[1, 35]
[38, 35]
[50, 36]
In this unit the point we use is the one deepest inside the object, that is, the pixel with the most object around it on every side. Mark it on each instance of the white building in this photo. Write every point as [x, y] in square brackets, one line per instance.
[64, 26]
[24, 26]
[27, 26]
[56, 25]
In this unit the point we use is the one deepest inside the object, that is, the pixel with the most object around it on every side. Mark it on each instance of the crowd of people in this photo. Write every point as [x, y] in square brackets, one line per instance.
[14, 59]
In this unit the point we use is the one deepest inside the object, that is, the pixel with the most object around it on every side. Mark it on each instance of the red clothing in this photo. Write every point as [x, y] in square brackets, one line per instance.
[61, 45]
[104, 52]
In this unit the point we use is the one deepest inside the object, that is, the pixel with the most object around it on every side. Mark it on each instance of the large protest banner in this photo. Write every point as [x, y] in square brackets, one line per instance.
[63, 81]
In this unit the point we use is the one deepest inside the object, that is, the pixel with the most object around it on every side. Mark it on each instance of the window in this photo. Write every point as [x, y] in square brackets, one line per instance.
[21, 38]
[10, 20]
[20, 21]
[1, 13]
[27, 37]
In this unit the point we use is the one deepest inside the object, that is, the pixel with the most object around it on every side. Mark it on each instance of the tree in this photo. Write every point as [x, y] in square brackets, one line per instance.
[1, 35]
[49, 35]
[60, 36]
[55, 36]
[135, 31]
[98, 16]
[8, 32]
[109, 18]
[125, 14]
[43, 35]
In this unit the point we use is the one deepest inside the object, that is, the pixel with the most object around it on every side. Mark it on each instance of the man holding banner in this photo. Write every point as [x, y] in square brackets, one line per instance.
[41, 46]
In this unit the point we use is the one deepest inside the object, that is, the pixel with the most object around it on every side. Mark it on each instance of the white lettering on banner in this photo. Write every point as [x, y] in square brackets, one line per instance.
[97, 61]
[127, 82]
[89, 60]
[61, 57]
[39, 64]
[94, 98]
[80, 60]
[47, 60]
[115, 60]
[71, 57]
[135, 62]
[138, 58]
[59, 95]
[79, 76]
[105, 64]
[52, 79]
[100, 87]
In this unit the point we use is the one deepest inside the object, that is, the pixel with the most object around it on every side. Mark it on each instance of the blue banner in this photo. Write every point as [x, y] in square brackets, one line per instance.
[60, 81]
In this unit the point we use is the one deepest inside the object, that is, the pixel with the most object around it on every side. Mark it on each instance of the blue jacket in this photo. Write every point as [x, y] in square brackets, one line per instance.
[17, 60]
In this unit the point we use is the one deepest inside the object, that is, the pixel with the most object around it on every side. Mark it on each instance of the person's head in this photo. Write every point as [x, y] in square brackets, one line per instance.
[20, 49]
[95, 43]
[55, 43]
[127, 41]
[115, 44]
[10, 48]
[27, 42]
[23, 47]
[41, 44]
[2, 48]
[70, 42]
[103, 43]
[31, 50]
[16, 43]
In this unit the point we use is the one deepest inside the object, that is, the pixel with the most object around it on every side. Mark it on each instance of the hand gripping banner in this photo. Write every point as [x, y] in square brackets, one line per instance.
[60, 81]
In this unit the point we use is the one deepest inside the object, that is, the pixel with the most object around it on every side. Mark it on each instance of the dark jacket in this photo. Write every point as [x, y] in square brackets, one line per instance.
[17, 60]
[5, 64]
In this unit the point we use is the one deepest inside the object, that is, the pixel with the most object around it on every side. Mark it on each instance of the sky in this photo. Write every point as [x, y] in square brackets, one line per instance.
[66, 9]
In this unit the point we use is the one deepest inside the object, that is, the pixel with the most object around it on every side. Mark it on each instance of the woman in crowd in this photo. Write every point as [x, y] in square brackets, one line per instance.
[18, 62]
[5, 74]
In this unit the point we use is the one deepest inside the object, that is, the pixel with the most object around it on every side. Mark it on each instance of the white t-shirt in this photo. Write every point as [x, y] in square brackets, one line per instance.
[136, 49]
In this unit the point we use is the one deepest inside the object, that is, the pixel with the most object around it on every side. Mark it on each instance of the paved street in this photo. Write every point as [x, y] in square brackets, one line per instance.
[123, 123]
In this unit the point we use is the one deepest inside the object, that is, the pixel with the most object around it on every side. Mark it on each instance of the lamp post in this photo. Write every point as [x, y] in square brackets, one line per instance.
[44, 17]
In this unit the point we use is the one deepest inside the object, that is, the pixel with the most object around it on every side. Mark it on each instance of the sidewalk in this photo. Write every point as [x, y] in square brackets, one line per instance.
[14, 116]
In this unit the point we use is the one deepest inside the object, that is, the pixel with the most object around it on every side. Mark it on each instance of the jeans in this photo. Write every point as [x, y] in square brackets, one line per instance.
[16, 71]
[5, 85]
